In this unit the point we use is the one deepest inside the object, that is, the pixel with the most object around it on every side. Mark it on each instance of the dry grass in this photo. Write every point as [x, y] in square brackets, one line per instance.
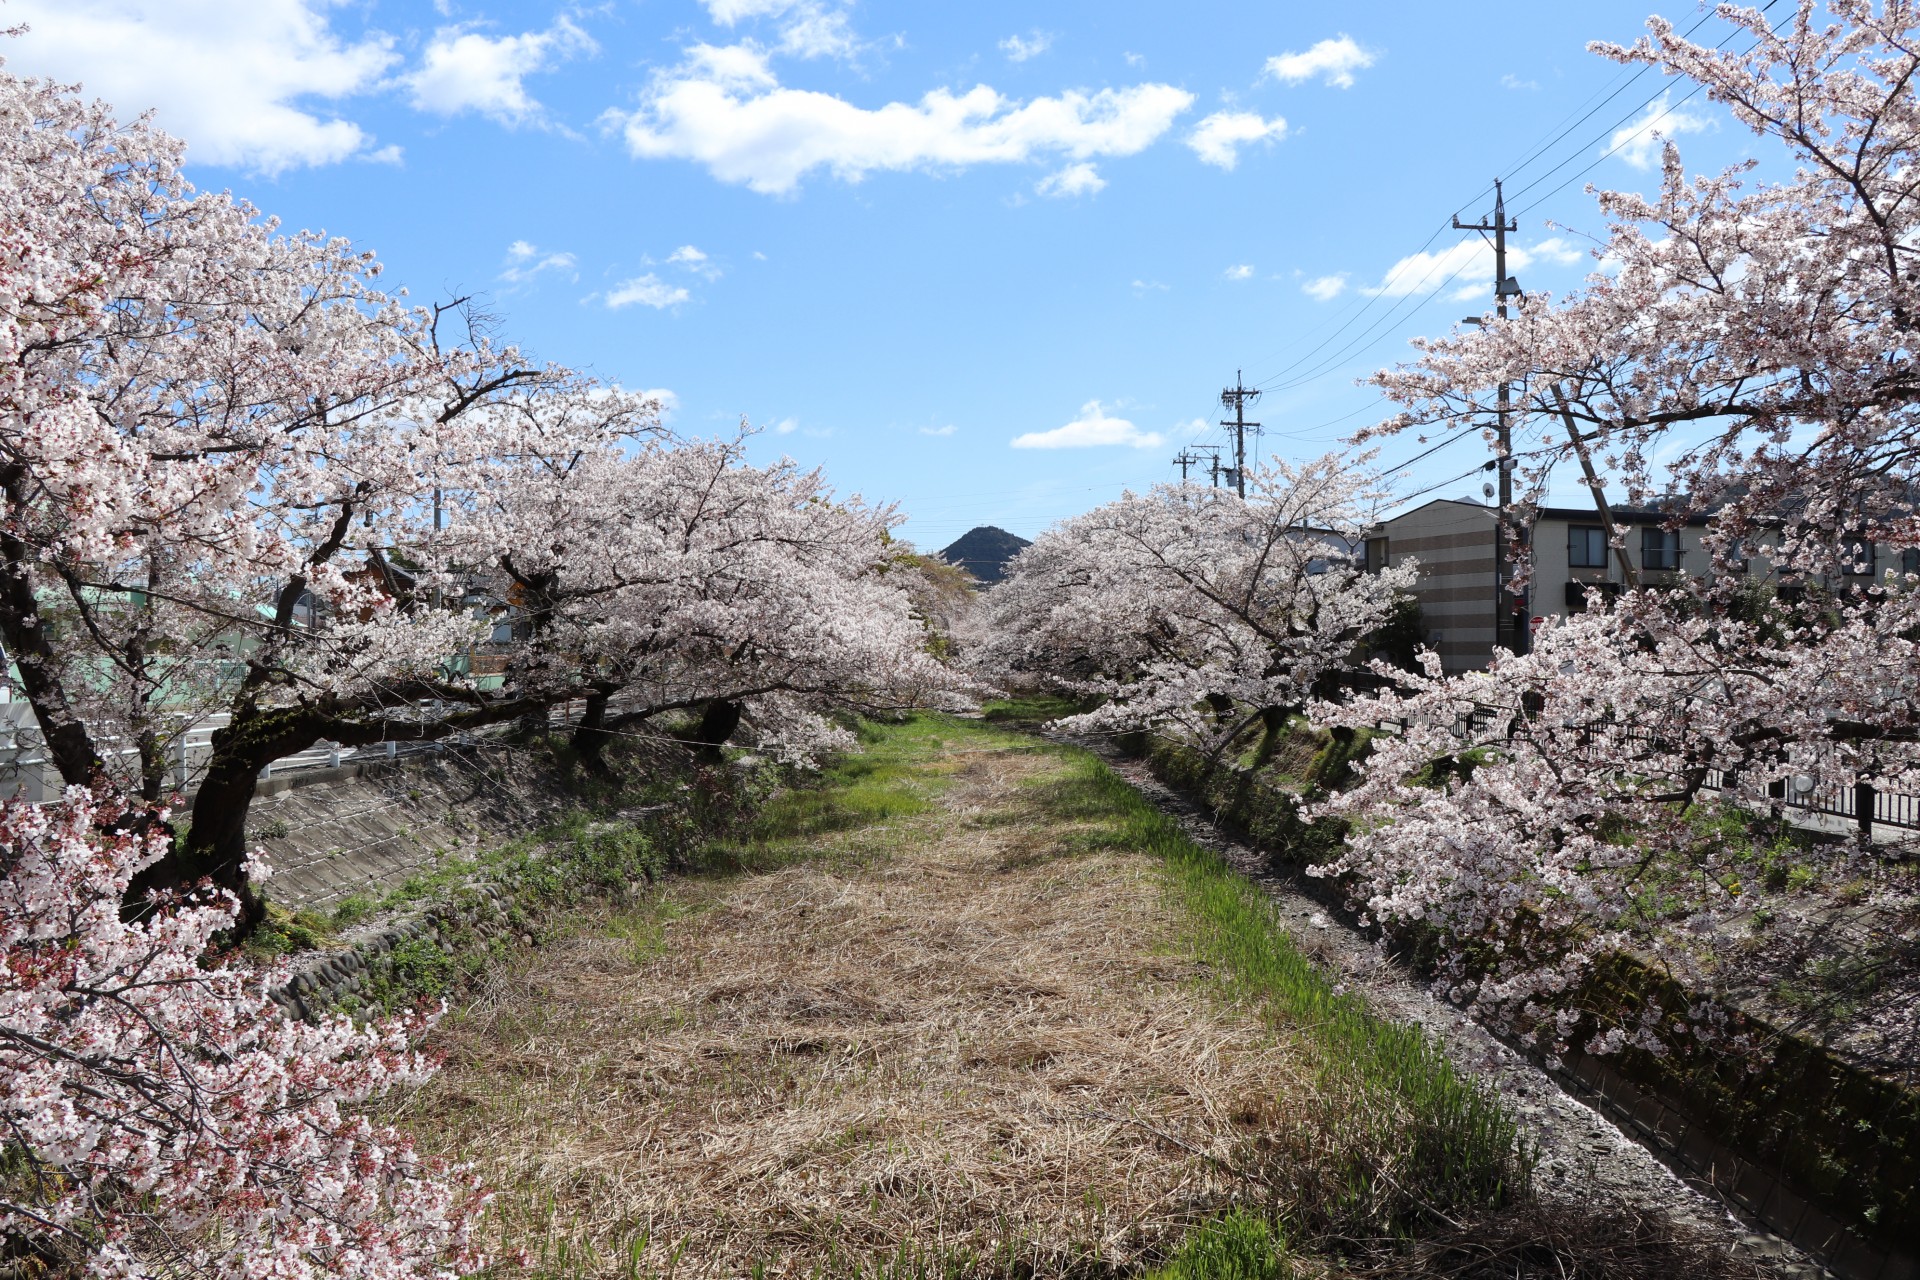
[979, 1046]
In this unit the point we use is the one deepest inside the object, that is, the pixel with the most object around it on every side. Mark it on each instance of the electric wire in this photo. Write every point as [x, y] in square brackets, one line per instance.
[1540, 150]
[1288, 376]
[1623, 142]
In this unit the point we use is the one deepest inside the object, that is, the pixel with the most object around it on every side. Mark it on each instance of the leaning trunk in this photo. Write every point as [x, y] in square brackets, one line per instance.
[215, 848]
[68, 744]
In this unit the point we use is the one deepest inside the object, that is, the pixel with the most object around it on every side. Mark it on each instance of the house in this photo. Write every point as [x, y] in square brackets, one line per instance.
[1453, 541]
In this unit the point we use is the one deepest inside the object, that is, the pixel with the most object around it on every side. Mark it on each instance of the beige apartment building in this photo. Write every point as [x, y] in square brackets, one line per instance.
[1453, 541]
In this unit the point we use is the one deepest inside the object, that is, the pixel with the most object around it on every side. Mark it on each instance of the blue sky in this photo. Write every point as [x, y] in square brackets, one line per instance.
[901, 238]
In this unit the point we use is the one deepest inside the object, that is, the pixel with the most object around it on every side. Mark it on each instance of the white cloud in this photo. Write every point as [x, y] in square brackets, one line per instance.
[1135, 59]
[729, 12]
[464, 70]
[1149, 286]
[1473, 261]
[1334, 61]
[695, 260]
[1639, 142]
[813, 32]
[248, 83]
[808, 28]
[1093, 428]
[1020, 48]
[1512, 81]
[669, 402]
[947, 430]
[1240, 271]
[525, 262]
[648, 290]
[786, 427]
[1217, 139]
[393, 153]
[1075, 180]
[725, 109]
[1553, 250]
[1325, 288]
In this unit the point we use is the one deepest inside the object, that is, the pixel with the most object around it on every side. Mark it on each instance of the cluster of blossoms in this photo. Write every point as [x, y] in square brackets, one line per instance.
[1607, 793]
[241, 486]
[162, 1117]
[1192, 611]
[1542, 815]
[239, 481]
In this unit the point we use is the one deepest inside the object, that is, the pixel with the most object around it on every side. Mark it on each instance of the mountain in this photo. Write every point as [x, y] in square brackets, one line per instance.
[984, 552]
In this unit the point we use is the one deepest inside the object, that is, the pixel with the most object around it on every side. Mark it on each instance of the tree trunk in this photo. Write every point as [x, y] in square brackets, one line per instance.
[591, 736]
[68, 743]
[215, 849]
[717, 724]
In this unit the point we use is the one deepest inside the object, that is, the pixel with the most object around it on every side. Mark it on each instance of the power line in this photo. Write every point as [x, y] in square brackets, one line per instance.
[1452, 438]
[1476, 469]
[1610, 151]
[1539, 150]
[1515, 169]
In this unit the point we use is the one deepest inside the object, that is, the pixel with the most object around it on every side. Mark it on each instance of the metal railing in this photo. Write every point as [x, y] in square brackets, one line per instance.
[27, 772]
[1827, 791]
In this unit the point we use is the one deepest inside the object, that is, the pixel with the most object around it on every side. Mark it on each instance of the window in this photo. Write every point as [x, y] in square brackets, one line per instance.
[1577, 594]
[1659, 548]
[1376, 554]
[1586, 546]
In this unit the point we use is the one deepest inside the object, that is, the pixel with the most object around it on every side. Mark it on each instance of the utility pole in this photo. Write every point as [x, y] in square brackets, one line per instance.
[1195, 454]
[1504, 287]
[1236, 397]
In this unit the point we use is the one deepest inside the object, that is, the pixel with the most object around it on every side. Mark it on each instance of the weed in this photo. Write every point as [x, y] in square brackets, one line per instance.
[285, 932]
[1239, 1246]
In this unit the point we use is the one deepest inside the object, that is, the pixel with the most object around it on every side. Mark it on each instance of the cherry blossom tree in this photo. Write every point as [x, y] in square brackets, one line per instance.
[679, 577]
[1560, 807]
[162, 1117]
[1754, 334]
[1192, 611]
[237, 478]
[218, 444]
[1756, 337]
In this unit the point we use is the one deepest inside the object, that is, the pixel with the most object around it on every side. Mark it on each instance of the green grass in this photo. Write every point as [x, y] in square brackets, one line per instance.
[1239, 1246]
[887, 782]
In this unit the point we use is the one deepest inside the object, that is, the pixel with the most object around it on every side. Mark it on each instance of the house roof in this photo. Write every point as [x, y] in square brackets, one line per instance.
[1578, 515]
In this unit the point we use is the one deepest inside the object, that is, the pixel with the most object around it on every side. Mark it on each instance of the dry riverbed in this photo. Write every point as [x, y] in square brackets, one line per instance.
[939, 1020]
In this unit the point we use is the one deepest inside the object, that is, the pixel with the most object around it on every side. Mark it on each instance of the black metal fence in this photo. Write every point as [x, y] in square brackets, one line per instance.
[1860, 802]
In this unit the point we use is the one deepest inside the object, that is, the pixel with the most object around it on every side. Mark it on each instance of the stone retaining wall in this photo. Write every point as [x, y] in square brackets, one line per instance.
[330, 834]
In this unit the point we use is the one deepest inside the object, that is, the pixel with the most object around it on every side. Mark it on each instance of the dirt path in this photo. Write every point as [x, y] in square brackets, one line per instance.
[955, 1033]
